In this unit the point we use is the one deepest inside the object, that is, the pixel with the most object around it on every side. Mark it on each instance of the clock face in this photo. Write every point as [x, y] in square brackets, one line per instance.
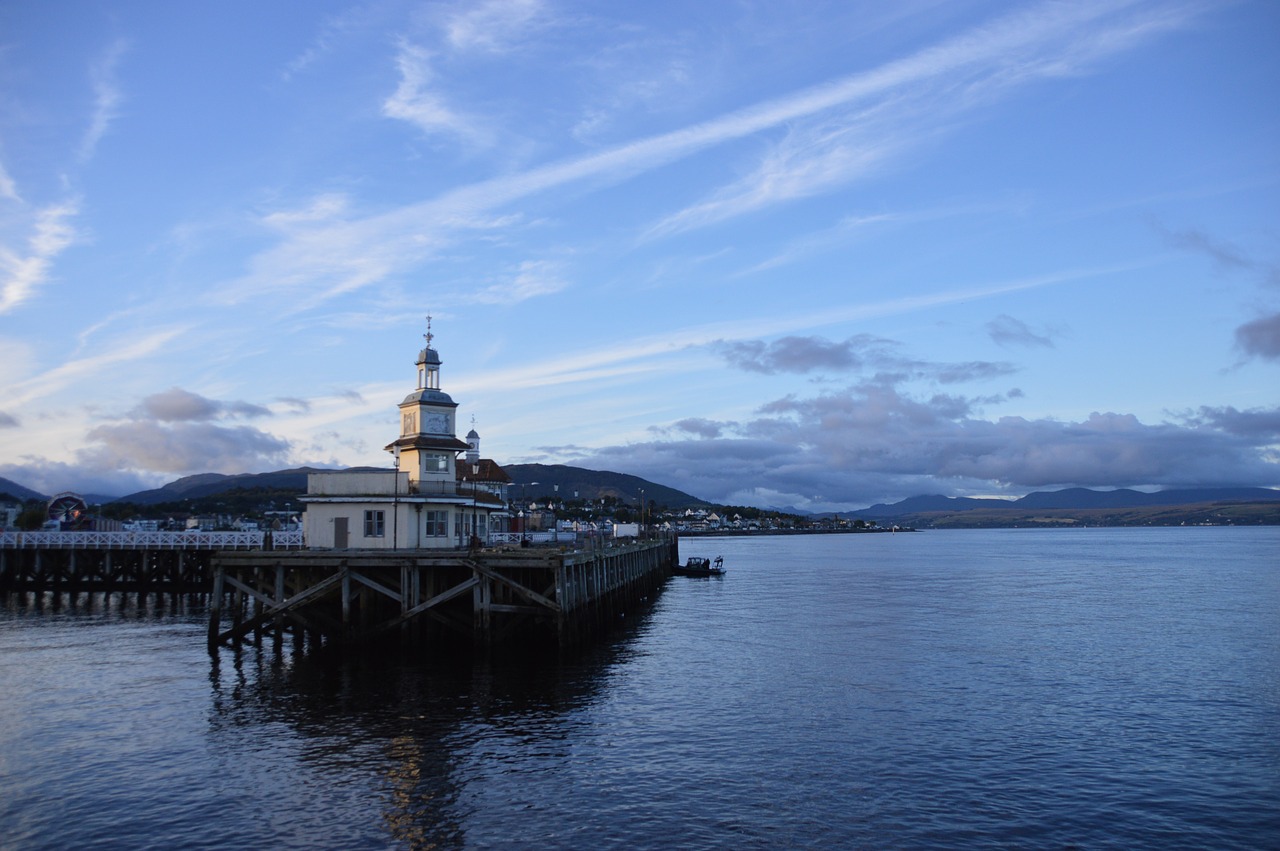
[435, 423]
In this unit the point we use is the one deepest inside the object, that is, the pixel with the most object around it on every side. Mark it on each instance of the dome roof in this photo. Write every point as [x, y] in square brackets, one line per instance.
[429, 355]
[434, 397]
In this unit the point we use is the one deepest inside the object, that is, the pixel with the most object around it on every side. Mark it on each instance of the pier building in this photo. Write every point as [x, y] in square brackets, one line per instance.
[430, 499]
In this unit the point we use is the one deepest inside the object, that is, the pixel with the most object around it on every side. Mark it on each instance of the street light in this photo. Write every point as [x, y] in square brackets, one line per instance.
[523, 499]
[475, 512]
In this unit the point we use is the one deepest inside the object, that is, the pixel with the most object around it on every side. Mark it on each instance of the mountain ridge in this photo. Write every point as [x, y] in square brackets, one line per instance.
[1070, 499]
[537, 482]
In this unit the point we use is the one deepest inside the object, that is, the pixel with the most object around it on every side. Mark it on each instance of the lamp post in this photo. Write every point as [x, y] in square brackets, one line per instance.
[475, 512]
[524, 503]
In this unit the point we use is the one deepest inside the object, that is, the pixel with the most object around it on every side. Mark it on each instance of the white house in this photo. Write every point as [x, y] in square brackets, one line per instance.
[430, 500]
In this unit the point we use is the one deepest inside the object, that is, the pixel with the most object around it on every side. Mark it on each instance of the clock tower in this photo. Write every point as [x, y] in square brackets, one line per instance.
[428, 444]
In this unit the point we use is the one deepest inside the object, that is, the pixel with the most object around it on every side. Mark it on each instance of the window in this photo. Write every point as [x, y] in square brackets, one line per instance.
[435, 462]
[437, 524]
[468, 523]
[375, 524]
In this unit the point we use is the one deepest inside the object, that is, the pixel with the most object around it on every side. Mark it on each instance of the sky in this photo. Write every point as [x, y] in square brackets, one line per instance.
[783, 254]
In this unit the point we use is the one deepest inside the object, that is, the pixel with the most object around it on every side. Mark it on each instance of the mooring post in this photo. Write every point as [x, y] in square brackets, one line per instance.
[279, 599]
[215, 608]
[346, 599]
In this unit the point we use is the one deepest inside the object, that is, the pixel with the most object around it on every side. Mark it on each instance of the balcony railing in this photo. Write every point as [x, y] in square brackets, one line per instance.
[151, 540]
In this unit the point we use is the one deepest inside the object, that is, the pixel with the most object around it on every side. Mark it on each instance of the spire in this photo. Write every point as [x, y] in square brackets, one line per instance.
[473, 443]
[428, 363]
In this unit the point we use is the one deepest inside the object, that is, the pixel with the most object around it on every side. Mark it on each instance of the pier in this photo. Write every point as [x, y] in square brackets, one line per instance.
[257, 587]
[486, 595]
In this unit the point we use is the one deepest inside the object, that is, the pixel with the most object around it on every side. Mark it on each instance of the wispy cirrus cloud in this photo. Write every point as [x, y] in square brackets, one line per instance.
[8, 189]
[333, 31]
[838, 130]
[22, 274]
[741, 339]
[56, 379]
[23, 271]
[106, 97]
[492, 26]
[532, 279]
[416, 102]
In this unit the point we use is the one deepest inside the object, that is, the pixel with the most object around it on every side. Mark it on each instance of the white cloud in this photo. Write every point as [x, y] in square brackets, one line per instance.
[22, 275]
[414, 100]
[872, 442]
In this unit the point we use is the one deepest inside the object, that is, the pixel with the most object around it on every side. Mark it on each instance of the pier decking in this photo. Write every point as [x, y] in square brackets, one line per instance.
[336, 596]
[489, 595]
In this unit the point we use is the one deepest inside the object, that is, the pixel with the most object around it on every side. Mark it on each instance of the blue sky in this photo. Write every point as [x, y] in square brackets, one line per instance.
[803, 254]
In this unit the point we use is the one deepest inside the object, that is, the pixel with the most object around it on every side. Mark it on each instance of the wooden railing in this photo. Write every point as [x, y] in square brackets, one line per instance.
[151, 540]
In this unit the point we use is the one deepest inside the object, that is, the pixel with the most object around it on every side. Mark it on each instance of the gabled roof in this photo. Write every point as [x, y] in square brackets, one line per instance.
[489, 472]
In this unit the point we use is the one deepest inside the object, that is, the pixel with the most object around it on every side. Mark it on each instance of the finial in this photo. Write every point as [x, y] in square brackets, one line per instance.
[428, 335]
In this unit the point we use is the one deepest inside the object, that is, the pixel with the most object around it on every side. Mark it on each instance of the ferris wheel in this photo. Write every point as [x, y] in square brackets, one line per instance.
[69, 509]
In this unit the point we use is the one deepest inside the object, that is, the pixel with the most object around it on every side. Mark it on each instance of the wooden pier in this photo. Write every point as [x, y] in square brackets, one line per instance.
[486, 595]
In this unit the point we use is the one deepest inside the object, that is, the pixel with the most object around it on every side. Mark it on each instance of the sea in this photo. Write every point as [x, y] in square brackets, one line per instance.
[1020, 688]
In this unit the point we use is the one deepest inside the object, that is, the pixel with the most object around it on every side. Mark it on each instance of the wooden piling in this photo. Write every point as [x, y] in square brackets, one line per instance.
[486, 596]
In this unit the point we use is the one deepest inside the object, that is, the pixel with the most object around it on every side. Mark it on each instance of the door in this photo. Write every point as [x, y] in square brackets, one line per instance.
[340, 533]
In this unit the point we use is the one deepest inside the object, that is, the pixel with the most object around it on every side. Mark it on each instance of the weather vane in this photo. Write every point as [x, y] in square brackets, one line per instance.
[428, 334]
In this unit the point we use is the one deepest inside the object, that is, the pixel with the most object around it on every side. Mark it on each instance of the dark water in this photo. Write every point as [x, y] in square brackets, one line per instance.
[1009, 689]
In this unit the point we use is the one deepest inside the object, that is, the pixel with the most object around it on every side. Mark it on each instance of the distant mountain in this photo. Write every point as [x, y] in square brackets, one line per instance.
[591, 484]
[212, 484]
[1124, 498]
[1070, 499]
[17, 492]
[934, 502]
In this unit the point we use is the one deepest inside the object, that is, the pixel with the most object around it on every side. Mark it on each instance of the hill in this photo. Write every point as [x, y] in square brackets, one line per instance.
[213, 484]
[1082, 506]
[539, 482]
[529, 481]
[17, 492]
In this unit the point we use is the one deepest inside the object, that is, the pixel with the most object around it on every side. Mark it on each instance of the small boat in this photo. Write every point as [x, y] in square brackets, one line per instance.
[698, 566]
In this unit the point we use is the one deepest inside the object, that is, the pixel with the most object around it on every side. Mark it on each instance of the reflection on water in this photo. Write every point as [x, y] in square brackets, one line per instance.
[1090, 688]
[426, 724]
